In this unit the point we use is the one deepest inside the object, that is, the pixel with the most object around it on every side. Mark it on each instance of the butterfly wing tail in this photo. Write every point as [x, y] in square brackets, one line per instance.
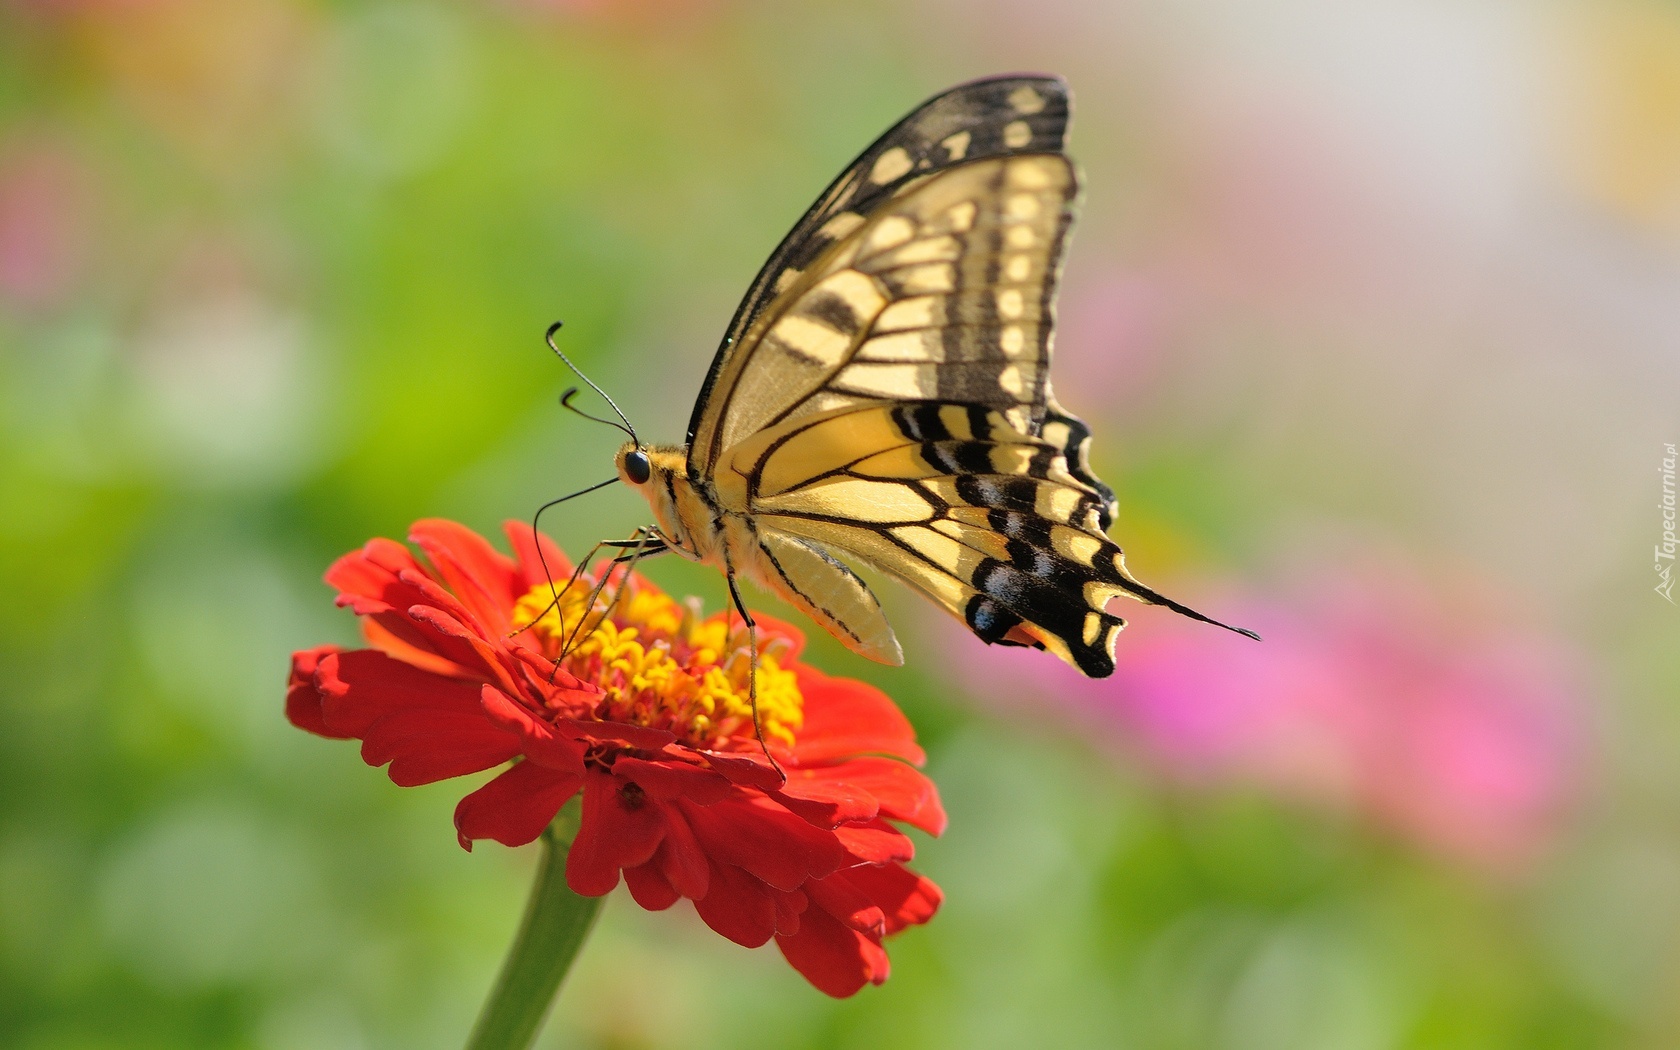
[1153, 597]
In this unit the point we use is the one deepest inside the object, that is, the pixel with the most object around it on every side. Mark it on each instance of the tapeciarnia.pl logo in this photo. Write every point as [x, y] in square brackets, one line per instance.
[1665, 550]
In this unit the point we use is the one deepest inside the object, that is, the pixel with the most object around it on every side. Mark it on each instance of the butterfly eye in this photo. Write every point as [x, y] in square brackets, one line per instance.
[637, 468]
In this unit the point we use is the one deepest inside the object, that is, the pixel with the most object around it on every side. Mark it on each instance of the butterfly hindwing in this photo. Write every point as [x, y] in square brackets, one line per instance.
[1069, 433]
[952, 499]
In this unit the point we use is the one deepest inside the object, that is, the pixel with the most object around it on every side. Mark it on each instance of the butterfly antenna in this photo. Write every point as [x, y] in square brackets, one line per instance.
[566, 403]
[548, 337]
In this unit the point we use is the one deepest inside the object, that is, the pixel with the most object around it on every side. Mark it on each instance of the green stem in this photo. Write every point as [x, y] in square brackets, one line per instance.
[556, 923]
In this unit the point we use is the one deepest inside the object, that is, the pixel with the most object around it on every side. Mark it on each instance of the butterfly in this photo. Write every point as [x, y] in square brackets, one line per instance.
[882, 397]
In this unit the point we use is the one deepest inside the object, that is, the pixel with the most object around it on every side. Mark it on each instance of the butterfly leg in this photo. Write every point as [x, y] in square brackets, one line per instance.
[649, 546]
[752, 666]
[556, 592]
[643, 541]
[643, 544]
[577, 573]
[671, 546]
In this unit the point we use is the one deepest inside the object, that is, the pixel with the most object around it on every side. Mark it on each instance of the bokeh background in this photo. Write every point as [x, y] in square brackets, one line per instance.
[1374, 306]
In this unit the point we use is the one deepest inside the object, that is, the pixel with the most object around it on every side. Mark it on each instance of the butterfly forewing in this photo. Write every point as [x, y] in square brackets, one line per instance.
[944, 294]
[989, 118]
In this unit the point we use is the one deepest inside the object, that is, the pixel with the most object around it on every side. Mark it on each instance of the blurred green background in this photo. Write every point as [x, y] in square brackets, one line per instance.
[1374, 307]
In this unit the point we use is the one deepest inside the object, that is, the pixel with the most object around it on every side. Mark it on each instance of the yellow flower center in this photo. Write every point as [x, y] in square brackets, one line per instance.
[663, 666]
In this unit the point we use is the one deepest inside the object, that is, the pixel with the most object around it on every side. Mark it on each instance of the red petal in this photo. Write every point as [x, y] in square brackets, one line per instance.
[426, 746]
[789, 907]
[846, 902]
[367, 582]
[360, 687]
[400, 647]
[539, 741]
[738, 906]
[455, 641]
[664, 781]
[649, 887]
[907, 899]
[746, 770]
[486, 581]
[618, 829]
[766, 840]
[303, 700]
[681, 858]
[904, 793]
[876, 842]
[525, 549]
[557, 686]
[515, 807]
[432, 592]
[834, 958]
[826, 803]
[641, 737]
[845, 717]
[437, 653]
[385, 580]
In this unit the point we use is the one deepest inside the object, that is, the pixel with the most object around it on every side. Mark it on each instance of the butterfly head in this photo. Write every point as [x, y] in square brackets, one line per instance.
[660, 474]
[638, 464]
[633, 464]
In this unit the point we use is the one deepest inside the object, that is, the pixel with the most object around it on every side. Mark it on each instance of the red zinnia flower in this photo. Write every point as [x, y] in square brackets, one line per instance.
[647, 714]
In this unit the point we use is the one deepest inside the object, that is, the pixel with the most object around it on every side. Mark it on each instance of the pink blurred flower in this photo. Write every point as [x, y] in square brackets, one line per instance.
[45, 198]
[1368, 697]
[1113, 329]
